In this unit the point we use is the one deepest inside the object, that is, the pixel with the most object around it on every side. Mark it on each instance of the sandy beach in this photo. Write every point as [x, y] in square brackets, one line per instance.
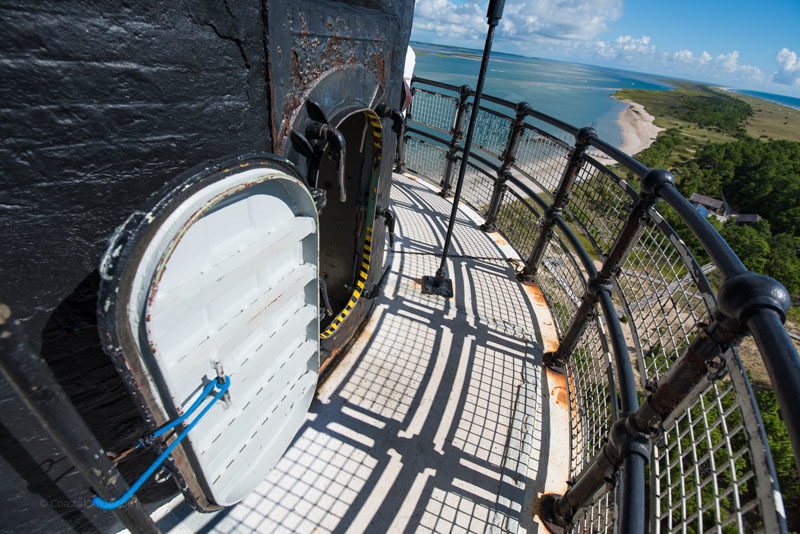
[638, 129]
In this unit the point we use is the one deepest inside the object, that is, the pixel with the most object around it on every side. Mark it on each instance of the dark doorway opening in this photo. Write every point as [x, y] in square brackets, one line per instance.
[342, 224]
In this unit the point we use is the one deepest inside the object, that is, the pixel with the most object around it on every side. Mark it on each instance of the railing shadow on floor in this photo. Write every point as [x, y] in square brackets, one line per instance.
[415, 429]
[598, 248]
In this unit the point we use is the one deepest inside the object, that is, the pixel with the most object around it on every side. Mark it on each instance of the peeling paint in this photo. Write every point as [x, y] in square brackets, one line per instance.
[558, 387]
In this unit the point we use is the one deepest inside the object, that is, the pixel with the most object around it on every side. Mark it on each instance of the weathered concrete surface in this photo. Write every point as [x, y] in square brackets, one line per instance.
[437, 420]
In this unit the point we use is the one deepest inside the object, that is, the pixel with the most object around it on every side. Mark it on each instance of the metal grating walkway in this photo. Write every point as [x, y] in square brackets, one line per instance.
[439, 419]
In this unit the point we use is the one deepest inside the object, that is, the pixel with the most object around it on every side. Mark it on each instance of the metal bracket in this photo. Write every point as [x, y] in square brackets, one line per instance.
[549, 515]
[552, 361]
[716, 368]
[377, 289]
[432, 285]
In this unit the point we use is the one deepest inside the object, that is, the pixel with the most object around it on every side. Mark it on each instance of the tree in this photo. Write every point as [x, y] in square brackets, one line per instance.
[783, 262]
[750, 242]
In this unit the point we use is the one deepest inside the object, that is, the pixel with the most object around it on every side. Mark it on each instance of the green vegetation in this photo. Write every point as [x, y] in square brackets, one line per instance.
[782, 455]
[719, 112]
[755, 176]
[747, 151]
[702, 114]
[771, 120]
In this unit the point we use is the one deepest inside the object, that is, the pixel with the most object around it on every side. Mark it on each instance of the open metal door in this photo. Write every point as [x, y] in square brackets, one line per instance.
[219, 275]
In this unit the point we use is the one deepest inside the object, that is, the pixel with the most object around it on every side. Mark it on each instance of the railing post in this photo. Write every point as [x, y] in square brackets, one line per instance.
[777, 351]
[628, 447]
[508, 160]
[746, 302]
[743, 299]
[582, 140]
[464, 93]
[602, 282]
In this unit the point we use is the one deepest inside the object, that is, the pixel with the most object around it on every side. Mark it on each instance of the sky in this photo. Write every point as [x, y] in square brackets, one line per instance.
[744, 44]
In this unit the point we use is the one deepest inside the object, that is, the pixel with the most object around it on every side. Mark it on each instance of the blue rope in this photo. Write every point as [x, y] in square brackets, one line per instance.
[110, 505]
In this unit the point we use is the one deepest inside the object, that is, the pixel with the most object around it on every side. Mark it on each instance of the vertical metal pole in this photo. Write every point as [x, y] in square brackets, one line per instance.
[582, 140]
[35, 384]
[627, 445]
[602, 282]
[440, 284]
[503, 173]
[464, 93]
[628, 438]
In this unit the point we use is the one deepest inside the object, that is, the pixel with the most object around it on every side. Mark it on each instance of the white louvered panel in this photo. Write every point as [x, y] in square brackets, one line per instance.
[231, 277]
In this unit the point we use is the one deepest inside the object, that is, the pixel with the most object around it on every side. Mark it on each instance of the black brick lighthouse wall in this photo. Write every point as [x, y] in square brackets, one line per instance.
[102, 103]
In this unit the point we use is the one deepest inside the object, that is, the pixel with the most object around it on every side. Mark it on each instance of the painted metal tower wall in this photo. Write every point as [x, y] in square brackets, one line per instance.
[103, 104]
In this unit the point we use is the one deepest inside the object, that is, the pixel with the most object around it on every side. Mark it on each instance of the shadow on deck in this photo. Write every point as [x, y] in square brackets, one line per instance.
[438, 419]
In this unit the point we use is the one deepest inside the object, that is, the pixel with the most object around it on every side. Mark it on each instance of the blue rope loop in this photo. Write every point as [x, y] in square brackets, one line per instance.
[222, 388]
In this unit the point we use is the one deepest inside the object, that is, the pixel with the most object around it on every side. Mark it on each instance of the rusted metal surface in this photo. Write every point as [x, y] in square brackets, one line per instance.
[546, 322]
[320, 39]
[230, 82]
[558, 387]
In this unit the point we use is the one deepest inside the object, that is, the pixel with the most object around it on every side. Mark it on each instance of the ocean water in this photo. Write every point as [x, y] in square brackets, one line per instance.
[577, 94]
[790, 101]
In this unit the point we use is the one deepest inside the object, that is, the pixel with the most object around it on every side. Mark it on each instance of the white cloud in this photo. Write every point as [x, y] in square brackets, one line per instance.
[560, 19]
[523, 24]
[725, 66]
[569, 29]
[788, 67]
[627, 51]
[446, 20]
[626, 47]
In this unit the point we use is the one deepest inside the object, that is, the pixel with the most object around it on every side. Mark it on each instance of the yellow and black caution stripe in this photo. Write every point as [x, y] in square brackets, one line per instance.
[377, 142]
[366, 253]
[361, 280]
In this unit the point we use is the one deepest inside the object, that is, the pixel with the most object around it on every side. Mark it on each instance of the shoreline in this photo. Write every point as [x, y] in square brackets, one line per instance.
[637, 127]
[765, 99]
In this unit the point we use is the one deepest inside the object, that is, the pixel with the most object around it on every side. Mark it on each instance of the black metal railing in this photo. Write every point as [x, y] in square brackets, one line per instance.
[666, 435]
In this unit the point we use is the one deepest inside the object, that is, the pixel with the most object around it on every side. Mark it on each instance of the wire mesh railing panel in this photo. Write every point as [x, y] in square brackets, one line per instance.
[597, 517]
[561, 282]
[555, 134]
[491, 131]
[710, 469]
[426, 160]
[663, 298]
[591, 397]
[541, 159]
[434, 110]
[478, 186]
[702, 470]
[518, 222]
[599, 205]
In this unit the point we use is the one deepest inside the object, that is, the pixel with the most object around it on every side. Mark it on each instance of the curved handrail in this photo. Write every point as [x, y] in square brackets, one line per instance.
[552, 121]
[746, 301]
[628, 396]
